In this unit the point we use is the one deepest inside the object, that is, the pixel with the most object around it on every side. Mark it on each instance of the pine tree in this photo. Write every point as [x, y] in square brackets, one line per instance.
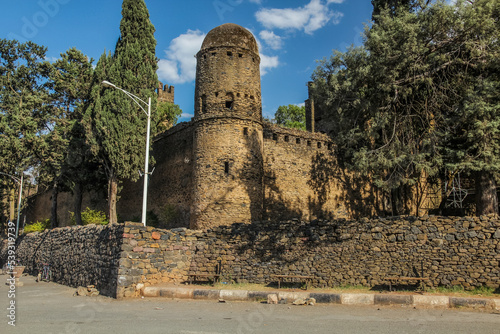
[24, 111]
[118, 125]
[473, 124]
[73, 169]
[419, 96]
[395, 6]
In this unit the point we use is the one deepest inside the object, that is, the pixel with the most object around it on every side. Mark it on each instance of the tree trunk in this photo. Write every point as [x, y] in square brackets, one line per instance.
[112, 195]
[486, 194]
[53, 210]
[78, 203]
[396, 201]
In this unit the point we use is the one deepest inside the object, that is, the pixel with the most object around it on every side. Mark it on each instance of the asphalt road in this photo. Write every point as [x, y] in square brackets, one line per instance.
[52, 308]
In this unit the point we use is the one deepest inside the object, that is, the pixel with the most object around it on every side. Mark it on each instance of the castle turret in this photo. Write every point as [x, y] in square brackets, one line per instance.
[228, 143]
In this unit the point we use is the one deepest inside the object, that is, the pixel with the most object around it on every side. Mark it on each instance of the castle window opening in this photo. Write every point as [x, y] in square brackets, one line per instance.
[226, 167]
[287, 139]
[229, 100]
[330, 146]
[214, 53]
[275, 137]
[308, 143]
[204, 56]
[245, 131]
[229, 53]
[240, 55]
[297, 141]
[319, 144]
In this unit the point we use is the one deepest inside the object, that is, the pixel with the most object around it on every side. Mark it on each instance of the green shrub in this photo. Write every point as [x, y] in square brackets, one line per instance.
[90, 216]
[38, 226]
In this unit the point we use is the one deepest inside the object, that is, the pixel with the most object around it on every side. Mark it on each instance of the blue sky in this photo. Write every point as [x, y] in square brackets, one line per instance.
[292, 36]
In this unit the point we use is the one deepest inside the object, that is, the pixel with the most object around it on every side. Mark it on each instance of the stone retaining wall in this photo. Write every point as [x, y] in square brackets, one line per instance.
[78, 256]
[122, 260]
[449, 251]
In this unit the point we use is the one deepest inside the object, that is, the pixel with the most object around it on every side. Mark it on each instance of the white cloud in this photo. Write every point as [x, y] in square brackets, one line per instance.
[309, 18]
[186, 115]
[180, 63]
[267, 63]
[273, 41]
[52, 59]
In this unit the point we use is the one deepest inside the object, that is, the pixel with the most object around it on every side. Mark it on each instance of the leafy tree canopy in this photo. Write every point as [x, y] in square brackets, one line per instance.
[166, 116]
[419, 96]
[291, 116]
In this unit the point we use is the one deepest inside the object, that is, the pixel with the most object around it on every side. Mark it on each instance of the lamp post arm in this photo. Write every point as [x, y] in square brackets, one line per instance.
[18, 181]
[136, 100]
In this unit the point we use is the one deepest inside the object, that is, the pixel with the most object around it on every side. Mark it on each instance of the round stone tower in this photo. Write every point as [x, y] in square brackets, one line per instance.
[228, 143]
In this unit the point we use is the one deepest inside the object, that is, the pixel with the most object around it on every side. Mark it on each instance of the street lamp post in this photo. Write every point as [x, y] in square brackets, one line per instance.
[20, 182]
[146, 164]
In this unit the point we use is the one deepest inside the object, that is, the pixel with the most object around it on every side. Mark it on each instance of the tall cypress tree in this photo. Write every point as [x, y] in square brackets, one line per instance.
[117, 124]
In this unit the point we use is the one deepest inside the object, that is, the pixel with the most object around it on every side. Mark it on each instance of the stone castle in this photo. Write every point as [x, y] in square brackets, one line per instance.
[226, 165]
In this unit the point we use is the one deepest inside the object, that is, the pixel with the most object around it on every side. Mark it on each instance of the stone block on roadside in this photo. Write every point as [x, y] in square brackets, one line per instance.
[357, 299]
[272, 298]
[431, 301]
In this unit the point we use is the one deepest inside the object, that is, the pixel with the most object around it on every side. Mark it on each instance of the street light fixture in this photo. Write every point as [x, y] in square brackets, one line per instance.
[146, 164]
[20, 182]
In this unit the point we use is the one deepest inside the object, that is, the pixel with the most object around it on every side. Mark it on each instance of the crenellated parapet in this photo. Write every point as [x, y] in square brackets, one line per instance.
[165, 93]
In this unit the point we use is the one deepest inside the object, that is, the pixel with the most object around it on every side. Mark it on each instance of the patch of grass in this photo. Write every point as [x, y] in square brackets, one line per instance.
[242, 286]
[459, 290]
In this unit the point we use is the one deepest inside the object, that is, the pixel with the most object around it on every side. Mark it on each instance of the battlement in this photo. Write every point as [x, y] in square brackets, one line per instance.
[302, 139]
[165, 93]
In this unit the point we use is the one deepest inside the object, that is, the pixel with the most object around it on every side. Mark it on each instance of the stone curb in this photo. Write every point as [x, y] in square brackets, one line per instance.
[323, 298]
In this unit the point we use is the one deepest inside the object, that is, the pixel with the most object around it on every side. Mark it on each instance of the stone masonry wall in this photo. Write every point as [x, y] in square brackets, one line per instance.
[78, 256]
[295, 181]
[120, 260]
[227, 176]
[170, 185]
[449, 251]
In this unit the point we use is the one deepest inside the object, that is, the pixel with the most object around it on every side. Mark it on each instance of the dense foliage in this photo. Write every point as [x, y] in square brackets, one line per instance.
[62, 127]
[291, 116]
[90, 216]
[116, 126]
[420, 98]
